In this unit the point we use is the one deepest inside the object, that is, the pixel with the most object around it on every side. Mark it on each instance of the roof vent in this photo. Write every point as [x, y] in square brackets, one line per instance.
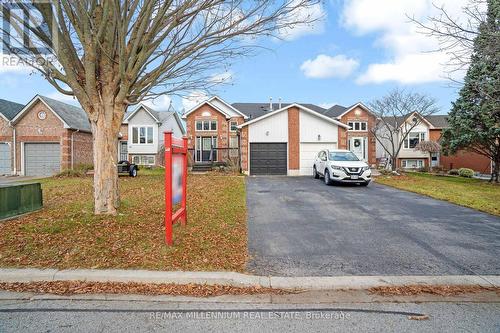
[270, 104]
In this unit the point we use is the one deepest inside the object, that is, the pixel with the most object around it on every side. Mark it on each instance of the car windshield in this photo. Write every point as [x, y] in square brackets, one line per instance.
[343, 156]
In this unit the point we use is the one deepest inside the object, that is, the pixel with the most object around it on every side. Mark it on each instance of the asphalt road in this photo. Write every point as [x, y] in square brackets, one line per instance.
[297, 226]
[143, 316]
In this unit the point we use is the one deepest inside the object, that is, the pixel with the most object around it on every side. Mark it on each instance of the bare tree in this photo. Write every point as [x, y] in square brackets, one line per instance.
[398, 113]
[430, 147]
[110, 54]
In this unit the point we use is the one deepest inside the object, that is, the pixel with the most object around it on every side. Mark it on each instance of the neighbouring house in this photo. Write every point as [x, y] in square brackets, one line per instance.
[141, 135]
[430, 128]
[360, 140]
[50, 136]
[8, 110]
[270, 138]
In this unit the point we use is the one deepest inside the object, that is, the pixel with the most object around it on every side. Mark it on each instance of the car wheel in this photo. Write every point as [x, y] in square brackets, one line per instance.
[133, 172]
[327, 177]
[315, 173]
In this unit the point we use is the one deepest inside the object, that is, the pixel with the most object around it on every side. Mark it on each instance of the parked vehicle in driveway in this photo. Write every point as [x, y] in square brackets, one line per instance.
[341, 166]
[127, 167]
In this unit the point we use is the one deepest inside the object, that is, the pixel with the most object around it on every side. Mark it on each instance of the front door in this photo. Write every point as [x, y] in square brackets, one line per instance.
[206, 149]
[123, 151]
[357, 146]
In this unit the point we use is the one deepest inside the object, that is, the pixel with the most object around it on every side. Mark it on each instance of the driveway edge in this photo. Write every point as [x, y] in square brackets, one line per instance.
[241, 280]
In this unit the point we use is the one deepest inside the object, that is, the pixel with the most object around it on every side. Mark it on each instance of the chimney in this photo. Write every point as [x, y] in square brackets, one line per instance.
[270, 104]
[279, 103]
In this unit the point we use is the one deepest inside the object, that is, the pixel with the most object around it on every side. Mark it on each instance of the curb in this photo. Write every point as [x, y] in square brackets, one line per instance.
[241, 280]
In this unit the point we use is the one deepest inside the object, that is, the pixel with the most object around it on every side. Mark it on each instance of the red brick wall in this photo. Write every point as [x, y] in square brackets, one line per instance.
[293, 138]
[360, 114]
[83, 150]
[6, 136]
[223, 127]
[342, 140]
[462, 159]
[244, 148]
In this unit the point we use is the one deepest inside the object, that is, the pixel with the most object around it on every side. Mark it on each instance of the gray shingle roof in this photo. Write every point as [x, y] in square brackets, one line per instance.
[255, 110]
[72, 115]
[438, 121]
[335, 111]
[9, 109]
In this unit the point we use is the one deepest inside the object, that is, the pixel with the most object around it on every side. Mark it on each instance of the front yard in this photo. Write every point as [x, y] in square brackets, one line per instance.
[66, 234]
[473, 193]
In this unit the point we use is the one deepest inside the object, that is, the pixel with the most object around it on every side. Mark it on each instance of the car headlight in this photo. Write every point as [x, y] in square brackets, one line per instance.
[335, 167]
[366, 168]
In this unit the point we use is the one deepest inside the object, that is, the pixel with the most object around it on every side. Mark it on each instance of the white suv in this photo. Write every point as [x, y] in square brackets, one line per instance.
[341, 166]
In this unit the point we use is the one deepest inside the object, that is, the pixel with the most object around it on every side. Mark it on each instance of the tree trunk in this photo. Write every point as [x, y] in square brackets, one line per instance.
[105, 144]
[394, 163]
[496, 170]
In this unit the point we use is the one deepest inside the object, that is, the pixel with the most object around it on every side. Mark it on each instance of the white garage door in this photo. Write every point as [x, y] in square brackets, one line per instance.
[42, 159]
[308, 152]
[5, 167]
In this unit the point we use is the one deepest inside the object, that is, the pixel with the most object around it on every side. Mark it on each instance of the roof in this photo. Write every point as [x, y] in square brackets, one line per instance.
[438, 121]
[210, 101]
[152, 112]
[335, 111]
[72, 116]
[256, 110]
[300, 106]
[159, 116]
[9, 109]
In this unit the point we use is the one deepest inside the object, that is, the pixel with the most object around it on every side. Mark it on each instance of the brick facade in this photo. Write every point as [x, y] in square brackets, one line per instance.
[293, 139]
[6, 136]
[360, 114]
[30, 128]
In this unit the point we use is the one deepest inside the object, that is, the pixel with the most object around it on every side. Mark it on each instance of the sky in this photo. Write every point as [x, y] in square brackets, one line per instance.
[357, 51]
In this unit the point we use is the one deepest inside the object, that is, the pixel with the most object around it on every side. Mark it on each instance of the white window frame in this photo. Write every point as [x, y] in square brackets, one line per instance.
[406, 143]
[143, 158]
[231, 126]
[232, 137]
[418, 163]
[203, 122]
[352, 126]
[146, 129]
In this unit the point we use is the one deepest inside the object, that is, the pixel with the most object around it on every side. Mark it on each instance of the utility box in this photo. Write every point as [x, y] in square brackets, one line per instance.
[17, 199]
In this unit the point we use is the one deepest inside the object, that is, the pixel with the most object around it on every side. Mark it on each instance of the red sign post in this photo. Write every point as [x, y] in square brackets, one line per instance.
[175, 182]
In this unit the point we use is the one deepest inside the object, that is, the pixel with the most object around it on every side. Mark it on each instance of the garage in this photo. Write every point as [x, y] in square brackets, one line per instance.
[42, 159]
[268, 158]
[5, 159]
[308, 152]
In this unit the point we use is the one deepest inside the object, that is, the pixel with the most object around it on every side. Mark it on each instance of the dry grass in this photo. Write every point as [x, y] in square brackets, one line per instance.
[430, 290]
[66, 234]
[82, 287]
[473, 193]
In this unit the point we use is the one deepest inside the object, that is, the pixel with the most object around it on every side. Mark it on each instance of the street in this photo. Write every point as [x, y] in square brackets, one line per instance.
[240, 314]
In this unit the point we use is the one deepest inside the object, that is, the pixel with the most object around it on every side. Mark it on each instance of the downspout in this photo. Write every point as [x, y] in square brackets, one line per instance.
[14, 146]
[72, 147]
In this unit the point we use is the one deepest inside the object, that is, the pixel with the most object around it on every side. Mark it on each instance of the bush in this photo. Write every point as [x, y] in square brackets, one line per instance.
[385, 172]
[79, 170]
[453, 172]
[465, 172]
[423, 169]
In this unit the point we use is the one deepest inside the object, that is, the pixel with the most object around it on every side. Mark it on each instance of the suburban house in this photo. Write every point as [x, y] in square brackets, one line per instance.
[8, 111]
[273, 138]
[360, 140]
[50, 136]
[430, 128]
[141, 134]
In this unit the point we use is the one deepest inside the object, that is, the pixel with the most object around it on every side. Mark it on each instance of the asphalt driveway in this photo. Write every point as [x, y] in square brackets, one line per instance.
[297, 226]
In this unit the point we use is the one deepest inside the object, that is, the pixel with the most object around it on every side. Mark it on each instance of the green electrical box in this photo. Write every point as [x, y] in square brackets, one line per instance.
[18, 199]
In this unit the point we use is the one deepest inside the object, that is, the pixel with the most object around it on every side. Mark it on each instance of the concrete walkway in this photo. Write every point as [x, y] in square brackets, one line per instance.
[241, 280]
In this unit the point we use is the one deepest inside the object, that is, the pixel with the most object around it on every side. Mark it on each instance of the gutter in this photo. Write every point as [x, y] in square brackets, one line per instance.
[72, 147]
[14, 146]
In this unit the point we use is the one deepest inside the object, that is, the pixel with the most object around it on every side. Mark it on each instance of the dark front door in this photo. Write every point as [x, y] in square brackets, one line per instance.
[123, 151]
[268, 159]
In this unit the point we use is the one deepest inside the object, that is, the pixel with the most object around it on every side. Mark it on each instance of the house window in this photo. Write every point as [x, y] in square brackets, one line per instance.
[206, 125]
[142, 135]
[412, 164]
[143, 159]
[357, 125]
[233, 126]
[233, 142]
[413, 139]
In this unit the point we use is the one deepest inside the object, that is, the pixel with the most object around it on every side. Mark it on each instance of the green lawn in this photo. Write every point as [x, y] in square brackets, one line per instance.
[66, 234]
[473, 193]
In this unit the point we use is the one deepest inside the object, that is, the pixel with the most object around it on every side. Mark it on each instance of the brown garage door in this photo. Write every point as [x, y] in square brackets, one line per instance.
[268, 159]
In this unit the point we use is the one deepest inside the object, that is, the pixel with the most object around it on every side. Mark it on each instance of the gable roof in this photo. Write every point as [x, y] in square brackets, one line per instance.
[151, 112]
[436, 121]
[300, 106]
[8, 109]
[335, 111]
[210, 102]
[71, 116]
[256, 110]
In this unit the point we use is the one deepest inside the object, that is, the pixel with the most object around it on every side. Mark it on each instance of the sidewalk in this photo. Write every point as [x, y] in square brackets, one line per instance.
[242, 280]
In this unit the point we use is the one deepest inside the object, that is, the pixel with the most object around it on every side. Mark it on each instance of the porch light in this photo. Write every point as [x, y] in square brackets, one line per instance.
[319, 137]
[267, 133]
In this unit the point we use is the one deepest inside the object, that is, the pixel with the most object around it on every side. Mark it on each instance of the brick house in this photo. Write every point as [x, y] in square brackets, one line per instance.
[50, 136]
[272, 138]
[8, 110]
